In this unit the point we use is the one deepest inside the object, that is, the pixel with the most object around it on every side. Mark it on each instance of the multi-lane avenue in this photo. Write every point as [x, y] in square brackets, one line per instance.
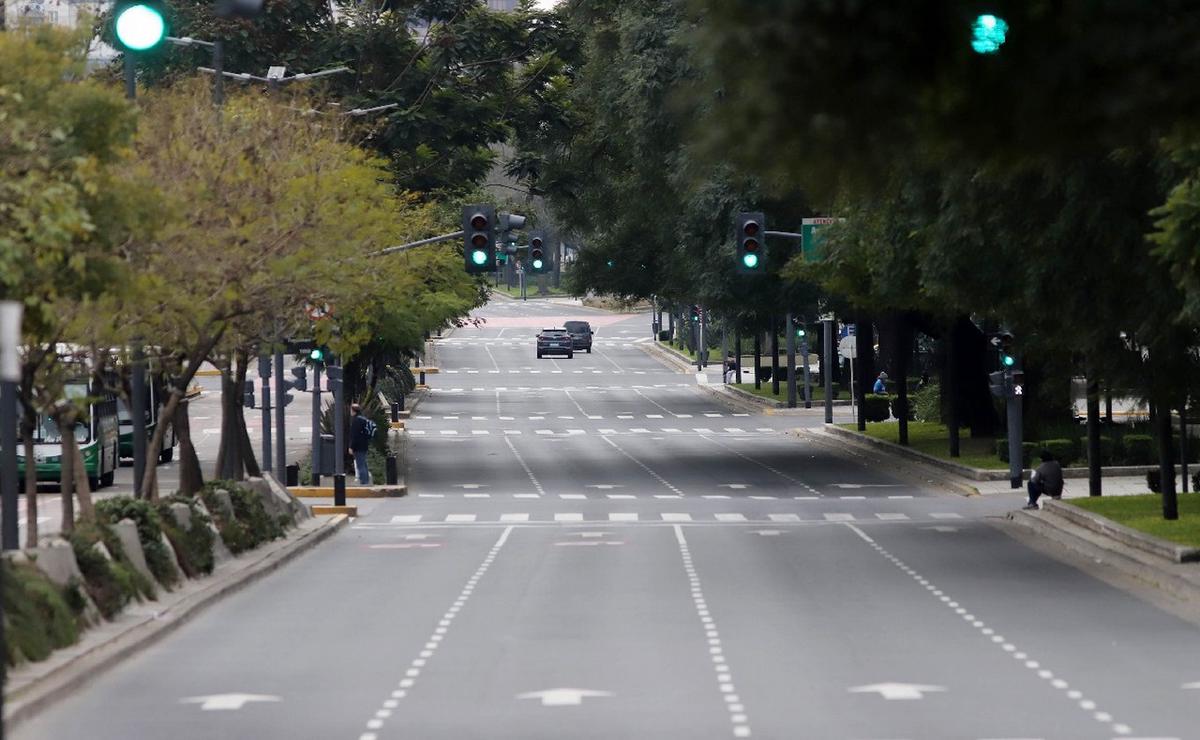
[596, 548]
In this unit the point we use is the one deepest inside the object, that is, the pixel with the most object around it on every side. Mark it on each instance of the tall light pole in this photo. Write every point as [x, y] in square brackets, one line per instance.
[10, 375]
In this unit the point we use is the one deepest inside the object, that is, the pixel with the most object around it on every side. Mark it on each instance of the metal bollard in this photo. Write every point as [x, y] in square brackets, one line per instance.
[292, 475]
[401, 401]
[422, 377]
[395, 412]
[339, 489]
[393, 470]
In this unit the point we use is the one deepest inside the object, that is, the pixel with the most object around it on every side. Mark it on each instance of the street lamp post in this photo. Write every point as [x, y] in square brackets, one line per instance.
[10, 375]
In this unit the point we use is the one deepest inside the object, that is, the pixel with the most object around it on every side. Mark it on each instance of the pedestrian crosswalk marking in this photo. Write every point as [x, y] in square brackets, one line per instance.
[731, 517]
[839, 517]
[570, 517]
[622, 517]
[891, 517]
[784, 517]
[946, 516]
[673, 517]
[406, 519]
[572, 496]
[514, 517]
[460, 518]
[662, 517]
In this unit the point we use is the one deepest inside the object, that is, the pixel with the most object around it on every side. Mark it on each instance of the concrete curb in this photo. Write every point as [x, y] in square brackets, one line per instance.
[1125, 535]
[395, 491]
[894, 449]
[910, 468]
[777, 406]
[724, 395]
[61, 680]
[1181, 581]
[670, 358]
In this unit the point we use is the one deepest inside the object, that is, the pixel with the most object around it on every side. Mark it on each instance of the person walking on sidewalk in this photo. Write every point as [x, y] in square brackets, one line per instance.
[730, 368]
[880, 387]
[1046, 479]
[362, 431]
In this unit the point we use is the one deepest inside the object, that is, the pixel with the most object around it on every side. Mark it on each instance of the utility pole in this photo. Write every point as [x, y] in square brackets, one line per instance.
[280, 422]
[264, 375]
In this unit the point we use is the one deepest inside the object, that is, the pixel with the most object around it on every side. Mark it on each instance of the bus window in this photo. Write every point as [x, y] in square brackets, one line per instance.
[47, 431]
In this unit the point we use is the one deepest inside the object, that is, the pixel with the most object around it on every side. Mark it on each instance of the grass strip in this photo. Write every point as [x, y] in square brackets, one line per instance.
[934, 439]
[1144, 513]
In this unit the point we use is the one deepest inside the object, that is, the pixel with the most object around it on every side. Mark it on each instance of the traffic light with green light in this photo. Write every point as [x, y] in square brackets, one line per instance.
[537, 254]
[750, 252]
[317, 354]
[988, 33]
[139, 26]
[479, 241]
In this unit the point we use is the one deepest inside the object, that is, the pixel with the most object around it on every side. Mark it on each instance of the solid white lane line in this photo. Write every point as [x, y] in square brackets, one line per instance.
[733, 703]
[1073, 695]
[431, 645]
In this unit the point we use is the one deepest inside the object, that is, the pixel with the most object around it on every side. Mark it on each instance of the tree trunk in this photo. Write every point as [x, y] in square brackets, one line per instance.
[774, 354]
[148, 488]
[904, 342]
[246, 449]
[66, 461]
[864, 350]
[191, 477]
[950, 392]
[1095, 485]
[83, 487]
[1166, 461]
[31, 507]
[757, 359]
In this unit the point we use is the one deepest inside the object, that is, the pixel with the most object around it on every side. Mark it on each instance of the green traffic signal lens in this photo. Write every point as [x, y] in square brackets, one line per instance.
[537, 264]
[1008, 360]
[750, 260]
[479, 256]
[140, 27]
[316, 355]
[988, 34]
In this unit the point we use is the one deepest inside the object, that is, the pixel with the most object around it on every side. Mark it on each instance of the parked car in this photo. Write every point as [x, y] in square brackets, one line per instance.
[555, 342]
[581, 334]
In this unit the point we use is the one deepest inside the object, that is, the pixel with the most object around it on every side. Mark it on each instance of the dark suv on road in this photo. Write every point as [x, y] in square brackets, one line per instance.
[581, 335]
[555, 342]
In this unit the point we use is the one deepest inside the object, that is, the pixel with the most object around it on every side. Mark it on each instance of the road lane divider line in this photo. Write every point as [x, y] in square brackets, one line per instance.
[761, 464]
[1074, 695]
[733, 703]
[532, 478]
[419, 663]
[644, 466]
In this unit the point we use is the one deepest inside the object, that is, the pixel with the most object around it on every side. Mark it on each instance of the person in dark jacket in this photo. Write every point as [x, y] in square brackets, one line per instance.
[360, 442]
[1046, 479]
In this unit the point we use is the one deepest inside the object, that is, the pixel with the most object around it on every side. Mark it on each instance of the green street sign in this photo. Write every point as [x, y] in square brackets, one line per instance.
[810, 233]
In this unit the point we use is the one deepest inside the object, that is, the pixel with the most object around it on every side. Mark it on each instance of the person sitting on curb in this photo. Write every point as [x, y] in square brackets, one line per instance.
[1047, 479]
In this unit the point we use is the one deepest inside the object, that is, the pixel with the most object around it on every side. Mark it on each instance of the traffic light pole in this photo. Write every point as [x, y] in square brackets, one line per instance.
[316, 425]
[807, 375]
[130, 76]
[137, 415]
[280, 425]
[791, 361]
[827, 368]
[1015, 403]
[264, 375]
[339, 436]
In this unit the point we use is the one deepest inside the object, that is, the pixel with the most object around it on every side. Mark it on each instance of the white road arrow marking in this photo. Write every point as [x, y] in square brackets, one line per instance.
[897, 691]
[767, 532]
[563, 697]
[227, 702]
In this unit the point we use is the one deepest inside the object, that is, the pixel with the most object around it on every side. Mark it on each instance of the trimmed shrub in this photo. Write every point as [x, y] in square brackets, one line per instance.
[193, 547]
[926, 403]
[1029, 451]
[149, 530]
[1139, 449]
[39, 617]
[1107, 450]
[897, 411]
[1064, 450]
[876, 407]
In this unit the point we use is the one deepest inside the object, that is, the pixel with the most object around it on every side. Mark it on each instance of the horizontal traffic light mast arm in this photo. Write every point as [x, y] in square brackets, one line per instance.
[189, 41]
[413, 245]
[784, 234]
[246, 76]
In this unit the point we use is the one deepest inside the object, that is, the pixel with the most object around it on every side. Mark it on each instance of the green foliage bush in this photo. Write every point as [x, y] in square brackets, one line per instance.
[111, 583]
[927, 403]
[250, 526]
[898, 412]
[39, 617]
[1029, 451]
[193, 547]
[1108, 448]
[1065, 451]
[1139, 449]
[149, 529]
[876, 407]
